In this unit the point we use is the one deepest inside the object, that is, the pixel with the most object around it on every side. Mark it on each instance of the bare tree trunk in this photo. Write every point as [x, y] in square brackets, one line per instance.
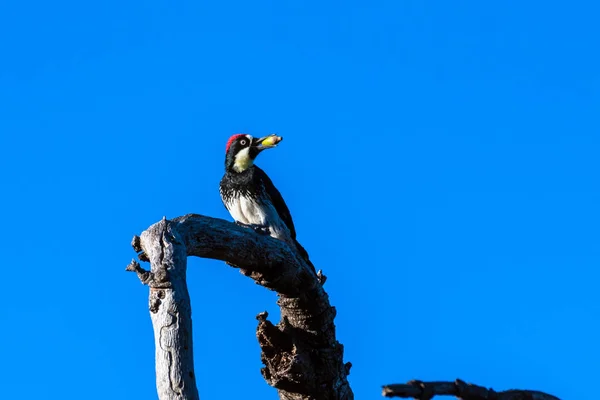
[302, 357]
[170, 310]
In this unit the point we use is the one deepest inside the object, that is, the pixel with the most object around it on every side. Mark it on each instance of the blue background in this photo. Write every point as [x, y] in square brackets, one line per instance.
[440, 161]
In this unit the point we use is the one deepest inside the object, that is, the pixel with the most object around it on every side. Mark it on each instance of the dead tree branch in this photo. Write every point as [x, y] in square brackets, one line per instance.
[462, 390]
[302, 357]
[170, 309]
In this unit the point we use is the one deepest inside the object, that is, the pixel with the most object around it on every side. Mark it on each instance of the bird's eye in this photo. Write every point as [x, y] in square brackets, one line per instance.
[243, 142]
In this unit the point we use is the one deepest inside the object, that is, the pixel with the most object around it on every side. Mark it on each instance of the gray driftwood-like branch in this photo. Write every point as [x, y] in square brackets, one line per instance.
[461, 390]
[302, 358]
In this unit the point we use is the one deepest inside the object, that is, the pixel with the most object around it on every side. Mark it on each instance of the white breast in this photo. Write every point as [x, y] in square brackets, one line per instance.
[248, 211]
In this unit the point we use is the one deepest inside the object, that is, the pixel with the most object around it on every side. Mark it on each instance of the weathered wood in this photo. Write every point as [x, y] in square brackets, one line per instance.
[170, 310]
[462, 390]
[302, 357]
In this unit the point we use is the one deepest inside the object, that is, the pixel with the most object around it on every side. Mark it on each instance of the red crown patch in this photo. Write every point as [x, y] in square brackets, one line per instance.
[231, 140]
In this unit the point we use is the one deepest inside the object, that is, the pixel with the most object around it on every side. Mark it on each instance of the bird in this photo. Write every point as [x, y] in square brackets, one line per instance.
[250, 196]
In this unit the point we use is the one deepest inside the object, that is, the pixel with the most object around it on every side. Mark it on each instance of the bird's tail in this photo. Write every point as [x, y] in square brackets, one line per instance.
[304, 255]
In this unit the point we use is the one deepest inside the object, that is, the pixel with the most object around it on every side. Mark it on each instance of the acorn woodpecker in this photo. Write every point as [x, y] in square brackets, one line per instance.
[249, 194]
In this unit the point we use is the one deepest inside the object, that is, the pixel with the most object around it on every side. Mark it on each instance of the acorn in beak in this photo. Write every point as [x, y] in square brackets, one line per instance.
[267, 142]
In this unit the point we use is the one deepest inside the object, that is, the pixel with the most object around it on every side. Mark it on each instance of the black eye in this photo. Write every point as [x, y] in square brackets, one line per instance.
[243, 142]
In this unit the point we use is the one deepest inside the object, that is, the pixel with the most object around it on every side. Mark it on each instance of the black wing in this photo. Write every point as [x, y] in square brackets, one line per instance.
[276, 200]
[282, 210]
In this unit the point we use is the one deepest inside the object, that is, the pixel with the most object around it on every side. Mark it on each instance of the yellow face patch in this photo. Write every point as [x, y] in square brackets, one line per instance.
[243, 160]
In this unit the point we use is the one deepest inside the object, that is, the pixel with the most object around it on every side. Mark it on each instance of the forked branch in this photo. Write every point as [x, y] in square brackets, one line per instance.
[302, 357]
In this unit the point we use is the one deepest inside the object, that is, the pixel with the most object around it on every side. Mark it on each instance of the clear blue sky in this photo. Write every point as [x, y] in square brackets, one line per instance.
[440, 161]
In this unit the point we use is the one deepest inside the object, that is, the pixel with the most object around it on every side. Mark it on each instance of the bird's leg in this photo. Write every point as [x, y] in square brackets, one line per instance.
[260, 229]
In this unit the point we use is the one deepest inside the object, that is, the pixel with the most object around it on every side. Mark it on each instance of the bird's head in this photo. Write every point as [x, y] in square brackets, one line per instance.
[241, 150]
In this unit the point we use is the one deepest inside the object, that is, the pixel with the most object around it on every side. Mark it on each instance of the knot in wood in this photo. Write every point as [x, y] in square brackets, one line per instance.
[155, 300]
[467, 391]
[136, 244]
[347, 367]
[261, 317]
[427, 391]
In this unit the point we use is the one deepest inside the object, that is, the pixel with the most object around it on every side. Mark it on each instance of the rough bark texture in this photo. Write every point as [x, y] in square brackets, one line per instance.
[170, 310]
[302, 357]
[462, 390]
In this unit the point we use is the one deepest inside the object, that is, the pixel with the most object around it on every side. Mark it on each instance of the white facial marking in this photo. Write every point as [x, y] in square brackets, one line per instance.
[243, 160]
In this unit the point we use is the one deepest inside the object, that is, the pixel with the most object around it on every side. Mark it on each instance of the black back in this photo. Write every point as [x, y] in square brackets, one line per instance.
[255, 183]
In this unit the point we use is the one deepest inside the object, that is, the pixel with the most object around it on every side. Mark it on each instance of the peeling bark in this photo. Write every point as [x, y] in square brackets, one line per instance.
[170, 310]
[302, 358]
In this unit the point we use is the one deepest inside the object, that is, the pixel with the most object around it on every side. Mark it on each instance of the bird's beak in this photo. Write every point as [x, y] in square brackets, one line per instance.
[267, 142]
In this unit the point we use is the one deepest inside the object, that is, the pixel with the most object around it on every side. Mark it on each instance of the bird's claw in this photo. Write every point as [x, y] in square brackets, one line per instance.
[260, 229]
